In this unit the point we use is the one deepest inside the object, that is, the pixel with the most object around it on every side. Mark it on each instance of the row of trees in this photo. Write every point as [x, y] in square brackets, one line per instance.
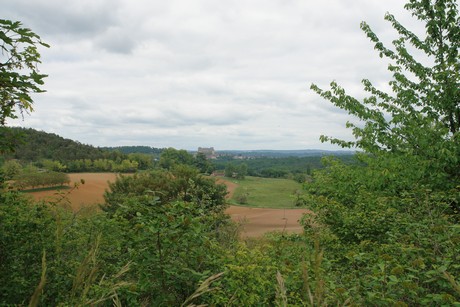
[31, 176]
[102, 165]
[297, 168]
[33, 179]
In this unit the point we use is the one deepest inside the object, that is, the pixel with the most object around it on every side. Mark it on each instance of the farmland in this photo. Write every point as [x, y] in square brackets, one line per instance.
[84, 195]
[254, 221]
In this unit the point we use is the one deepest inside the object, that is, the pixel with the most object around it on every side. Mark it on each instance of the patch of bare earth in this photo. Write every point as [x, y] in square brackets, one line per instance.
[88, 194]
[257, 221]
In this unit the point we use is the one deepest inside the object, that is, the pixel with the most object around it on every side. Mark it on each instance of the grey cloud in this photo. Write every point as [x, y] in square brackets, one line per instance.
[116, 39]
[55, 17]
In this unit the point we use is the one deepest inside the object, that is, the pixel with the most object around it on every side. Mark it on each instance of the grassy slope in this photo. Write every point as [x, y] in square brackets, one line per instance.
[267, 192]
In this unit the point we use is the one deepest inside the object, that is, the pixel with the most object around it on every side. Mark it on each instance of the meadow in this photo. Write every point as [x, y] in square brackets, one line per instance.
[260, 192]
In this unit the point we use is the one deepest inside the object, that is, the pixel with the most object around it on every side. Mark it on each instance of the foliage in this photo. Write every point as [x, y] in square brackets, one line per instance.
[241, 171]
[391, 251]
[230, 170]
[55, 153]
[281, 167]
[203, 164]
[172, 247]
[9, 140]
[11, 168]
[135, 150]
[52, 165]
[33, 231]
[422, 115]
[182, 183]
[143, 253]
[171, 157]
[384, 231]
[37, 145]
[32, 177]
[19, 75]
[248, 279]
[389, 223]
[236, 171]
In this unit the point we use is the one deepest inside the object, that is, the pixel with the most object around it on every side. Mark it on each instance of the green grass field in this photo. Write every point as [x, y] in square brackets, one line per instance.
[265, 192]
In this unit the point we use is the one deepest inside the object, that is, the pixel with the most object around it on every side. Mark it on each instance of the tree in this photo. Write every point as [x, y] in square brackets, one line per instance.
[242, 171]
[11, 168]
[171, 157]
[230, 170]
[203, 164]
[19, 75]
[422, 115]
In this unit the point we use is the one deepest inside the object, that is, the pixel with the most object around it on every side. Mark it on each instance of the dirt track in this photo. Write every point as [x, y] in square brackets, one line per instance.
[254, 221]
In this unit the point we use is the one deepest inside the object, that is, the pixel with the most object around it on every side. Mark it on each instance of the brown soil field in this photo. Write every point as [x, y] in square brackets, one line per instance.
[254, 221]
[88, 194]
[257, 221]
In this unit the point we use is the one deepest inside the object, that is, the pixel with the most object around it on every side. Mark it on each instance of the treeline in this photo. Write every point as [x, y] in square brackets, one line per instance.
[135, 149]
[288, 167]
[283, 153]
[29, 176]
[35, 179]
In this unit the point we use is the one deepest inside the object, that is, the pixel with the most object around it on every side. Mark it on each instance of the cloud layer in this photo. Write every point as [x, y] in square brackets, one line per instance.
[232, 74]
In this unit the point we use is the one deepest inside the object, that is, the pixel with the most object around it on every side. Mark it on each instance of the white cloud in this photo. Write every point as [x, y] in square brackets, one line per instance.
[232, 74]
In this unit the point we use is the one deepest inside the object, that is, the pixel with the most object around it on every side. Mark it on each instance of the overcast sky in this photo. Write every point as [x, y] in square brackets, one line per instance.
[231, 74]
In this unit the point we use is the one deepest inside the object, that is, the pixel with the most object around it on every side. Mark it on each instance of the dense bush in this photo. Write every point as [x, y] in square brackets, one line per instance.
[144, 252]
[391, 239]
[182, 183]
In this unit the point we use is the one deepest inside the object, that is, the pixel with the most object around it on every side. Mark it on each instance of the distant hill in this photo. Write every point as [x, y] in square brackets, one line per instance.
[34, 145]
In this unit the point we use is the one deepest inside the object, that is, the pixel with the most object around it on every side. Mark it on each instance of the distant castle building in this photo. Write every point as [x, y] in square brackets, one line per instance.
[210, 153]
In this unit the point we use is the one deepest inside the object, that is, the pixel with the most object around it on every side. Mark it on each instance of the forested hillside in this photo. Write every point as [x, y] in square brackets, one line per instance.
[34, 145]
[55, 153]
